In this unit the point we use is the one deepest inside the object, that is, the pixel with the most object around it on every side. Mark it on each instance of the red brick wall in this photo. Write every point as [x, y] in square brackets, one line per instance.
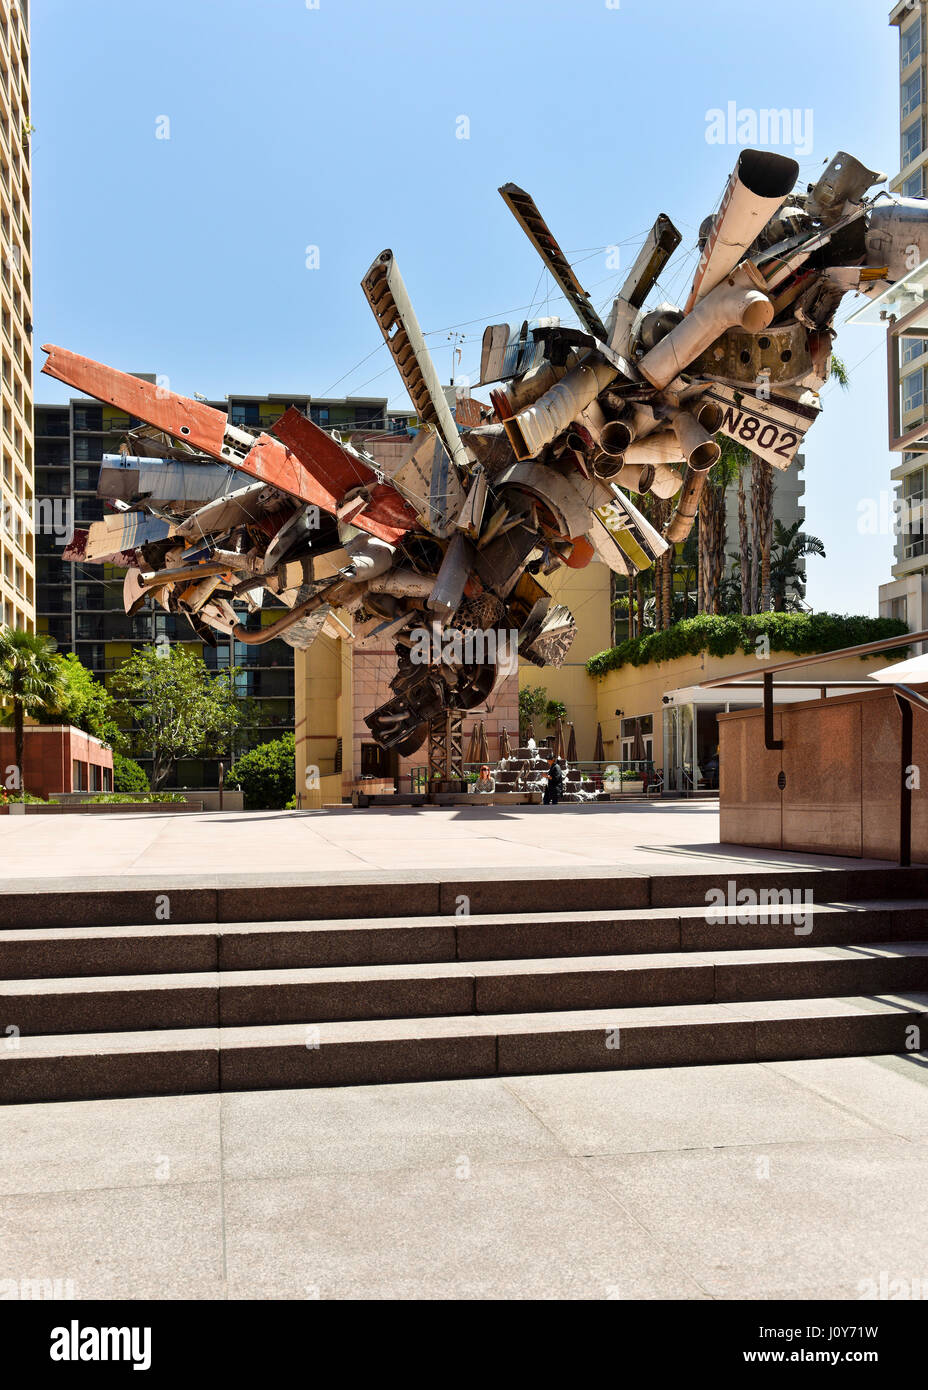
[49, 755]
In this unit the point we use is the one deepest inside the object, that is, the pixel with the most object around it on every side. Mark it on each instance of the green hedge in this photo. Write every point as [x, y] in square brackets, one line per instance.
[128, 775]
[266, 775]
[800, 634]
[136, 798]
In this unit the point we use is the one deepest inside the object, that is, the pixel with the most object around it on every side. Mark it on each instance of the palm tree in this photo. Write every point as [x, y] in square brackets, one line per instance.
[839, 372]
[761, 532]
[791, 545]
[31, 679]
[712, 527]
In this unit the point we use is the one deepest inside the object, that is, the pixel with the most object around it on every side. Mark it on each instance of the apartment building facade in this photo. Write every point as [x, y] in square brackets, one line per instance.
[17, 522]
[906, 595]
[81, 605]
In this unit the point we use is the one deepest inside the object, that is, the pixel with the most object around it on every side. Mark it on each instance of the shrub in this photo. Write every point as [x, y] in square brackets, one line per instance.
[266, 775]
[800, 634]
[8, 797]
[121, 798]
[128, 776]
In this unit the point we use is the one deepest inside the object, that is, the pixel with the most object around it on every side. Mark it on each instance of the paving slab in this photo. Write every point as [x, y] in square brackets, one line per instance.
[375, 1128]
[513, 1231]
[759, 1221]
[160, 1242]
[653, 1110]
[671, 838]
[78, 1145]
[479, 1188]
[890, 1092]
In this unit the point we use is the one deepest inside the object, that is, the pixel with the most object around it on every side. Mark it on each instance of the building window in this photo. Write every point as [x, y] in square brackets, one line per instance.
[96, 779]
[86, 479]
[912, 348]
[643, 725]
[911, 94]
[246, 413]
[319, 414]
[913, 391]
[86, 448]
[912, 142]
[910, 43]
[78, 776]
[913, 485]
[912, 186]
[630, 730]
[107, 779]
[88, 417]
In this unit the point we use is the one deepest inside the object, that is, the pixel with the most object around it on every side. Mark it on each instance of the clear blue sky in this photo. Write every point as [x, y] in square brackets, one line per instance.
[336, 127]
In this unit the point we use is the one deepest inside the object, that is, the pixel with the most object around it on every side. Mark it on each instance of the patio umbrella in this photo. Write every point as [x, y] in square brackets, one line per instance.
[473, 747]
[639, 752]
[914, 671]
[505, 748]
[599, 752]
[558, 750]
[483, 747]
[572, 744]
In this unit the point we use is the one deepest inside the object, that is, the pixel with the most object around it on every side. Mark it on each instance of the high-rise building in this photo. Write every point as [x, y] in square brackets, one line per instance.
[17, 556]
[906, 596]
[81, 605]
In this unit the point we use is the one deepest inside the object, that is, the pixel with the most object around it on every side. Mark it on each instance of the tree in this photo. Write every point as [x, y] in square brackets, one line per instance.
[535, 705]
[790, 547]
[266, 774]
[84, 702]
[30, 680]
[761, 532]
[172, 707]
[839, 372]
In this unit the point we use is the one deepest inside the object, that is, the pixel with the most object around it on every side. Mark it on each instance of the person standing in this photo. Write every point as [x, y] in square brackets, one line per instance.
[554, 784]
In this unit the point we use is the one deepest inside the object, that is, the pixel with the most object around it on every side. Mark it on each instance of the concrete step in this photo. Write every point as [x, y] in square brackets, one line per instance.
[96, 1065]
[168, 948]
[377, 894]
[244, 998]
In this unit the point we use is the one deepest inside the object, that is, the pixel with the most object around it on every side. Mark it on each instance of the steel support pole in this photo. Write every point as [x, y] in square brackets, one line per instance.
[905, 786]
[770, 743]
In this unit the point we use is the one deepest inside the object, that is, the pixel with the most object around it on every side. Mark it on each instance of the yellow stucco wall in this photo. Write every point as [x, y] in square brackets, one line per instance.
[322, 715]
[639, 690]
[587, 593]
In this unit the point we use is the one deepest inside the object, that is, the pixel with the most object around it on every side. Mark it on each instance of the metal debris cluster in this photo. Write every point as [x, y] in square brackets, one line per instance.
[454, 538]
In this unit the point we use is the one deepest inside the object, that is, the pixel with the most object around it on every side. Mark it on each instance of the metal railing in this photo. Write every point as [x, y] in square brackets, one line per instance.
[634, 776]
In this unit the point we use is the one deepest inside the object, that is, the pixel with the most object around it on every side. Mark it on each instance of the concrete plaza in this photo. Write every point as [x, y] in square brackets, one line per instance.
[783, 1181]
[770, 1180]
[638, 837]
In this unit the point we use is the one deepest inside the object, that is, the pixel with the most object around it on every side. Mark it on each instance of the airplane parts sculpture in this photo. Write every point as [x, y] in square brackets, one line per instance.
[444, 552]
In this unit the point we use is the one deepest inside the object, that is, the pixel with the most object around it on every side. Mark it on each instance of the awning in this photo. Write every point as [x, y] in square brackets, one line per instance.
[913, 671]
[750, 696]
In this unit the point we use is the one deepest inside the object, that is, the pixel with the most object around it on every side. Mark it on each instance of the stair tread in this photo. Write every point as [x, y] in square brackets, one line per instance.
[555, 965]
